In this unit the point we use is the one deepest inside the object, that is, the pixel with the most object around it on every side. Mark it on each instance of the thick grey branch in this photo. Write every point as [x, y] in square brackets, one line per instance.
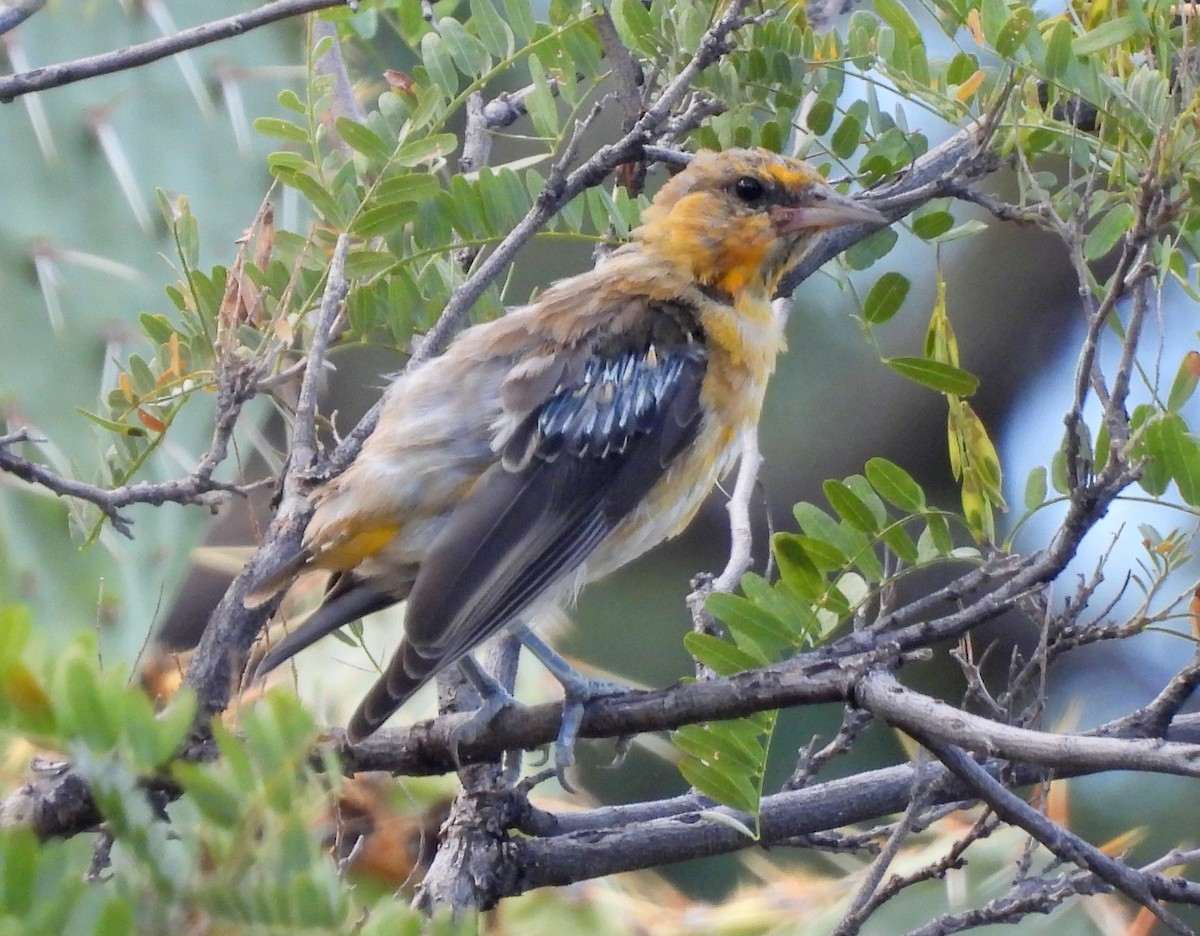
[920, 716]
[14, 14]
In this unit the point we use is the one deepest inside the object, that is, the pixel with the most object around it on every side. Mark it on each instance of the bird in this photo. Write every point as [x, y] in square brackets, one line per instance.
[549, 447]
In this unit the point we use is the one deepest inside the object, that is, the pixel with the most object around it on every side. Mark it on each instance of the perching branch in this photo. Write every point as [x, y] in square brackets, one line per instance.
[53, 76]
[1146, 889]
[13, 15]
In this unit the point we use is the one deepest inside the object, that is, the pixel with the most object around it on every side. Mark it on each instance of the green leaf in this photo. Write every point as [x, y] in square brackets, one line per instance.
[173, 724]
[939, 532]
[824, 555]
[932, 224]
[282, 161]
[845, 139]
[820, 117]
[703, 743]
[1181, 453]
[993, 14]
[291, 101]
[383, 220]
[1184, 384]
[157, 328]
[519, 15]
[961, 67]
[725, 786]
[895, 485]
[743, 617]
[875, 247]
[115, 918]
[1108, 34]
[320, 197]
[18, 873]
[135, 432]
[540, 104]
[470, 55]
[936, 375]
[281, 129]
[896, 15]
[492, 29]
[140, 731]
[1058, 473]
[885, 298]
[1108, 231]
[867, 494]
[719, 655]
[899, 542]
[817, 523]
[1012, 36]
[1035, 488]
[438, 63]
[796, 567]
[849, 506]
[217, 802]
[362, 139]
[428, 149]
[635, 24]
[1058, 50]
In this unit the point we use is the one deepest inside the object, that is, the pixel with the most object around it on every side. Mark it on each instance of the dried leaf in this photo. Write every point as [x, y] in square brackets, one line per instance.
[153, 423]
[400, 82]
[975, 24]
[967, 89]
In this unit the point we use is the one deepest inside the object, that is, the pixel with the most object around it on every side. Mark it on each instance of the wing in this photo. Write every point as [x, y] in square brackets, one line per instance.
[570, 473]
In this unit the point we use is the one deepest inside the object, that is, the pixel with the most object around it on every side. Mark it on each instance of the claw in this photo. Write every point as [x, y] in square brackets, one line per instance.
[494, 698]
[578, 691]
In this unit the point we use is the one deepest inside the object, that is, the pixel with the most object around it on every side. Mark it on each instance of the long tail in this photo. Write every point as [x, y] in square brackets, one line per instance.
[337, 611]
[407, 672]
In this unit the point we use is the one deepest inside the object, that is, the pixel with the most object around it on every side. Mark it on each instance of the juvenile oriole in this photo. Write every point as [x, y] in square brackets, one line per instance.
[547, 448]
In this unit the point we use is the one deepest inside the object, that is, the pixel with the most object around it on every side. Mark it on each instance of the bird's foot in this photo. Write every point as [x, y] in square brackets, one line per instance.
[578, 692]
[494, 699]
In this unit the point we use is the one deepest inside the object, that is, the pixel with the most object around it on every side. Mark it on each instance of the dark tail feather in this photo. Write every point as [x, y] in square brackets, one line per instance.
[337, 611]
[270, 582]
[406, 673]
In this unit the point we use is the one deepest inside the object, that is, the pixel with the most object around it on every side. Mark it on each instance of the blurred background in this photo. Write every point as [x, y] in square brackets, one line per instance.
[84, 251]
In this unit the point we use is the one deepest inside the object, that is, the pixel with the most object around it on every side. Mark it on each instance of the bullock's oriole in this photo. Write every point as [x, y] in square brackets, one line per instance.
[552, 446]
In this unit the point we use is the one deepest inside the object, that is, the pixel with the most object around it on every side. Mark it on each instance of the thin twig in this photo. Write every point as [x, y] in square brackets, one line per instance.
[1143, 888]
[864, 903]
[197, 488]
[304, 430]
[740, 530]
[53, 76]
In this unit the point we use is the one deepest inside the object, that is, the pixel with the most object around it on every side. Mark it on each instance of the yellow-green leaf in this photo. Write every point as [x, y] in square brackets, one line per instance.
[936, 375]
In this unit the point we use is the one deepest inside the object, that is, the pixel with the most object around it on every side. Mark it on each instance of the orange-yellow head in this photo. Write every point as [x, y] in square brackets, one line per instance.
[738, 219]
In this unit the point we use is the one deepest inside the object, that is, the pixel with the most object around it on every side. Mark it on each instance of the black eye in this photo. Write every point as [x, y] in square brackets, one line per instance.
[749, 189]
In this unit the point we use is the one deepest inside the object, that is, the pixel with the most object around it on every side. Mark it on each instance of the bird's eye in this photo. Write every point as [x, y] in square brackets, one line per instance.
[749, 189]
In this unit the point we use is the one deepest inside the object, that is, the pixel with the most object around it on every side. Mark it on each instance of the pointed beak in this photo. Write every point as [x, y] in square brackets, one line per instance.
[825, 209]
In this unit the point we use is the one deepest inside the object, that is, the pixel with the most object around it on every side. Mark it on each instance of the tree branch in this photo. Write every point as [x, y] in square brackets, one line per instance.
[14, 14]
[53, 76]
[236, 387]
[1146, 889]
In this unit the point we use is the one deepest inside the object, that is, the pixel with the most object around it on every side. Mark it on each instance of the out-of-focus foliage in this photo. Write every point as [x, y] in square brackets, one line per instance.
[82, 250]
[246, 846]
